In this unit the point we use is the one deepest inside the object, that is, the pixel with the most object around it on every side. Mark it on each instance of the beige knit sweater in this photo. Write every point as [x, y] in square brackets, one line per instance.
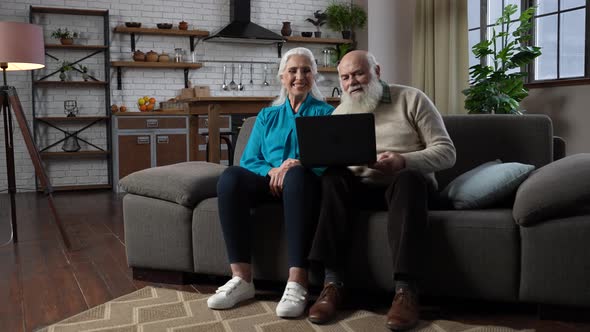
[410, 125]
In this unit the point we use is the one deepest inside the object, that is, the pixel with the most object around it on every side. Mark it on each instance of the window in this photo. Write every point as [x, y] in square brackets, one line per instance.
[559, 29]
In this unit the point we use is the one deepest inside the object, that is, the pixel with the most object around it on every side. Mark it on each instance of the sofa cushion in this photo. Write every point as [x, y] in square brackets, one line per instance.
[185, 183]
[486, 185]
[559, 189]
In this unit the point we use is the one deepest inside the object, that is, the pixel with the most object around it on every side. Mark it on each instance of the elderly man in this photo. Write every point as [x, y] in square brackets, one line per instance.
[412, 144]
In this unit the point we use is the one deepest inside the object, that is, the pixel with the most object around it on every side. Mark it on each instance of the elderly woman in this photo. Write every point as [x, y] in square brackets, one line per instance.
[270, 171]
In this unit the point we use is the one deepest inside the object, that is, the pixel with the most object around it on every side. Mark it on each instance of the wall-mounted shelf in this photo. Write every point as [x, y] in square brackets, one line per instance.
[160, 32]
[311, 40]
[78, 187]
[165, 32]
[76, 47]
[79, 154]
[155, 65]
[69, 83]
[327, 69]
[145, 64]
[70, 118]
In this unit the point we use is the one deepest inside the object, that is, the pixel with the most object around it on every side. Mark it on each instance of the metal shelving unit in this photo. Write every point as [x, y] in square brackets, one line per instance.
[84, 122]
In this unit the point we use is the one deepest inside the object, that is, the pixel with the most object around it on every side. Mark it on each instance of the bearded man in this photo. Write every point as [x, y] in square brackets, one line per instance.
[412, 144]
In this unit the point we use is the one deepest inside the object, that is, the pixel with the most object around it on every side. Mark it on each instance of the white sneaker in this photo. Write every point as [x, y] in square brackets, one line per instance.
[293, 301]
[234, 291]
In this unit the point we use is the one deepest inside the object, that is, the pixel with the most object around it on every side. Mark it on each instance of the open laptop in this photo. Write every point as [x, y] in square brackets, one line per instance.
[337, 140]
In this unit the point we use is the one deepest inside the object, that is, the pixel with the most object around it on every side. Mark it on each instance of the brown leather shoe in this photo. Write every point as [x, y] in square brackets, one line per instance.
[404, 311]
[325, 307]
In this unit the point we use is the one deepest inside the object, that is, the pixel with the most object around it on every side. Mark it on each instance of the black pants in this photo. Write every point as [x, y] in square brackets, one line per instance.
[240, 190]
[343, 195]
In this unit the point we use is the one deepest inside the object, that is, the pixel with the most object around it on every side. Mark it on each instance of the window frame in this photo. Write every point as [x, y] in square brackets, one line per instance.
[530, 82]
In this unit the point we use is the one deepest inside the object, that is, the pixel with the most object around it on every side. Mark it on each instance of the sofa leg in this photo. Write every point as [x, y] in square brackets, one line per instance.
[161, 276]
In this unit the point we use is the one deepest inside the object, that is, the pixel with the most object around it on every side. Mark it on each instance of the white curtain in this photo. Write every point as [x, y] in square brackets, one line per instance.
[440, 51]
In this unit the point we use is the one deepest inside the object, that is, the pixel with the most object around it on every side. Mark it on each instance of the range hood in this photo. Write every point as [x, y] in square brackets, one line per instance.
[242, 30]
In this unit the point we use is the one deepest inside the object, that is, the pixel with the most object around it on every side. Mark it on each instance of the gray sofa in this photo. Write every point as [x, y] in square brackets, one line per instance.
[534, 248]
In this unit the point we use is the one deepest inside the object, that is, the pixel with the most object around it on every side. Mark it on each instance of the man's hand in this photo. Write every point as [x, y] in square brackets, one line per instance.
[277, 175]
[389, 162]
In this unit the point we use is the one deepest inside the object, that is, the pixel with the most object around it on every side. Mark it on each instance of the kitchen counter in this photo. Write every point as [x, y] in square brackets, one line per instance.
[215, 106]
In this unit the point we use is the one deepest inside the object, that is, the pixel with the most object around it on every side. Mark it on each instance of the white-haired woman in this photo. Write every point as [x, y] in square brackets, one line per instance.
[270, 170]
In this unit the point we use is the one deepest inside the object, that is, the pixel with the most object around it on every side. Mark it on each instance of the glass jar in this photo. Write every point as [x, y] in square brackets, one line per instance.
[328, 57]
[178, 55]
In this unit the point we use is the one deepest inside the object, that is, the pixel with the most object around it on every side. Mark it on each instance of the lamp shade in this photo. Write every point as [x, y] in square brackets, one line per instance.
[21, 46]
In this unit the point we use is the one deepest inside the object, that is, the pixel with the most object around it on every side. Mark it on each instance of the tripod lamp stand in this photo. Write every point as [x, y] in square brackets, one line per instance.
[22, 48]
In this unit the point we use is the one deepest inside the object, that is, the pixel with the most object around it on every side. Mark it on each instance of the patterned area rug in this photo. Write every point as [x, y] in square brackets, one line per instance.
[156, 309]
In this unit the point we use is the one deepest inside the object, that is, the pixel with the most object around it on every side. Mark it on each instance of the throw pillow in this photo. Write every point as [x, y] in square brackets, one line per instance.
[559, 189]
[486, 185]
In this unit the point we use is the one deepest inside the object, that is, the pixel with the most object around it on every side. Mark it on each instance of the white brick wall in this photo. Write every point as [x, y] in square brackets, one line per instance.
[209, 15]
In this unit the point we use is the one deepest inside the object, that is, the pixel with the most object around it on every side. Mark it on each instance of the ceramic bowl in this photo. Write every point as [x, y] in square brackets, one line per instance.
[132, 24]
[164, 25]
[306, 34]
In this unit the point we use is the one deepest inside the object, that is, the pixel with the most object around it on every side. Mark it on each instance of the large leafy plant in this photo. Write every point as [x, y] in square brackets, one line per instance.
[497, 88]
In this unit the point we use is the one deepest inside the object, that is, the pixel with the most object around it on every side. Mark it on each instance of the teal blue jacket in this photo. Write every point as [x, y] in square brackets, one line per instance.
[274, 137]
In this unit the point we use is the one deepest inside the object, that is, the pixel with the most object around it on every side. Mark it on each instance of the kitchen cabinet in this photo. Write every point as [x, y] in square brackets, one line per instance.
[143, 141]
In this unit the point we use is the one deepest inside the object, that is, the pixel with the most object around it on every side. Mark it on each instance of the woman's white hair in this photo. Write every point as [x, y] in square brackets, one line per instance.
[315, 91]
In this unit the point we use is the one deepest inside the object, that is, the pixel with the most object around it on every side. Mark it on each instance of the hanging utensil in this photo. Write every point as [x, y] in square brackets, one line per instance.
[224, 86]
[240, 85]
[251, 82]
[232, 84]
[265, 83]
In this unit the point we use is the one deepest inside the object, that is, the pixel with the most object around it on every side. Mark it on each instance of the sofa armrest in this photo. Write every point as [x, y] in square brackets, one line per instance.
[185, 183]
[559, 189]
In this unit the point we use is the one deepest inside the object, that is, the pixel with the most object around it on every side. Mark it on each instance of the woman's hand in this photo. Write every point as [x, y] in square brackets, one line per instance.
[277, 175]
[389, 162]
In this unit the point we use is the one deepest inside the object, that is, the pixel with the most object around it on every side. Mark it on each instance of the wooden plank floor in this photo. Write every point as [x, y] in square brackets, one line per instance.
[42, 283]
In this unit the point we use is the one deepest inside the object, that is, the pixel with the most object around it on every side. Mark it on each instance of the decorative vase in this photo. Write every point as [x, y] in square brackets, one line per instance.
[346, 34]
[318, 34]
[286, 29]
[183, 25]
[71, 143]
[62, 76]
[85, 76]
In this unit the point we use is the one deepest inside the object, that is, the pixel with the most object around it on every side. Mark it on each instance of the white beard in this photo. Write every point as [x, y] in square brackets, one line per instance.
[366, 102]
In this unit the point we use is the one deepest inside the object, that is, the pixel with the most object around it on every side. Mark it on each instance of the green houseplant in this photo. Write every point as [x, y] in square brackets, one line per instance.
[65, 36]
[496, 88]
[319, 19]
[65, 67]
[346, 18]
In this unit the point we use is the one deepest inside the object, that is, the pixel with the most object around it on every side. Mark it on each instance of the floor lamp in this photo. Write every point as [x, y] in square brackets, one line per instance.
[22, 48]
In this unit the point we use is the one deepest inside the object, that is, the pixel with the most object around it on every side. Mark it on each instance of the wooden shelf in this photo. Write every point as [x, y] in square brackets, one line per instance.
[68, 11]
[79, 187]
[70, 83]
[145, 64]
[71, 118]
[76, 47]
[79, 154]
[327, 69]
[165, 32]
[311, 40]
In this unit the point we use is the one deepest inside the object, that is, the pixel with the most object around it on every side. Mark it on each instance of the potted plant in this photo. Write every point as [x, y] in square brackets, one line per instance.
[319, 19]
[496, 88]
[65, 36]
[346, 18]
[65, 67]
[84, 71]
